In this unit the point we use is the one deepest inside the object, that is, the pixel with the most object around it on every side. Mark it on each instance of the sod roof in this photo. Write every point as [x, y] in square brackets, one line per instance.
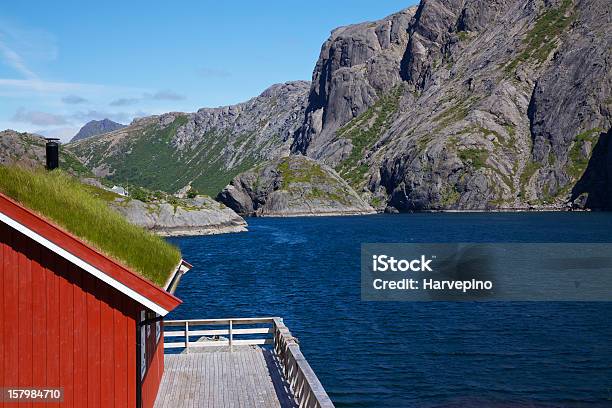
[65, 201]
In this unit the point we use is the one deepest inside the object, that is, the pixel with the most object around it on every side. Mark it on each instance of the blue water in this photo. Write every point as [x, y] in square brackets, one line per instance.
[371, 354]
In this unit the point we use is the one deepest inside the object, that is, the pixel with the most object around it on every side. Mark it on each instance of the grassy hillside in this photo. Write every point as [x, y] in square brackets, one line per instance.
[205, 149]
[146, 157]
[60, 198]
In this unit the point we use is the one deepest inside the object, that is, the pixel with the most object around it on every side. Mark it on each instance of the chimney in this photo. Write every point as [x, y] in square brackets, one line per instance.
[52, 153]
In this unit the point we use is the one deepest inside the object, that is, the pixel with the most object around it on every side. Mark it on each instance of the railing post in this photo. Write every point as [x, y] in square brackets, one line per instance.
[231, 336]
[186, 334]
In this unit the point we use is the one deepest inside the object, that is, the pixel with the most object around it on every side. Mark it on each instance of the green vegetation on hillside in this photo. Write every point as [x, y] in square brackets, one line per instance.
[530, 169]
[577, 162]
[298, 169]
[455, 113]
[476, 157]
[364, 131]
[62, 199]
[154, 163]
[449, 196]
[541, 39]
[70, 163]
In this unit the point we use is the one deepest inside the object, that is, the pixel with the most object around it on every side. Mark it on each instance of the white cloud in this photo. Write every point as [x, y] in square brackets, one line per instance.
[15, 61]
[48, 102]
[46, 86]
[165, 95]
[73, 99]
[18, 44]
[124, 101]
[62, 133]
[38, 118]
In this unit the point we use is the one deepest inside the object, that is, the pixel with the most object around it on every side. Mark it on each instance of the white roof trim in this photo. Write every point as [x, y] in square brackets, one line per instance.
[84, 265]
[181, 268]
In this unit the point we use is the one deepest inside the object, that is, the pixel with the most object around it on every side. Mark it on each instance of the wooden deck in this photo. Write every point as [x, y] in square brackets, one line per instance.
[236, 362]
[246, 377]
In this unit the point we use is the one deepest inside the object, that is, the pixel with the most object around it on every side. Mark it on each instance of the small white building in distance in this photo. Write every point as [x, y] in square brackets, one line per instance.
[119, 190]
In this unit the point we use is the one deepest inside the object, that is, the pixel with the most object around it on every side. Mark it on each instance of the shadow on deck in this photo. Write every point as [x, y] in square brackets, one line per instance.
[246, 377]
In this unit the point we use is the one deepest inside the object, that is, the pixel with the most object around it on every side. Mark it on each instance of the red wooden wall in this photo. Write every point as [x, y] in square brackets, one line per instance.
[62, 327]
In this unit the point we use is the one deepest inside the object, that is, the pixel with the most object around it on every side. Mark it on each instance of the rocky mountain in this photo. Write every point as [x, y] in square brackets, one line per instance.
[453, 104]
[292, 186]
[202, 150]
[96, 127]
[468, 104]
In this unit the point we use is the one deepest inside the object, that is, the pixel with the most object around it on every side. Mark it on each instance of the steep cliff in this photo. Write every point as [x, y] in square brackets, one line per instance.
[466, 104]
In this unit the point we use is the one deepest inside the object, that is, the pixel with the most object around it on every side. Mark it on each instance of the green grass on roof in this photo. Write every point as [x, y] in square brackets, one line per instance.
[62, 199]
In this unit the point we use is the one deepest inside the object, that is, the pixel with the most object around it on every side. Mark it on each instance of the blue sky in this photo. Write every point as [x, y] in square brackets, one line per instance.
[64, 63]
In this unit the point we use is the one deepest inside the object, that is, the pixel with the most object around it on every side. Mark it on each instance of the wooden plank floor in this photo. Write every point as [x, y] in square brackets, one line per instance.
[247, 377]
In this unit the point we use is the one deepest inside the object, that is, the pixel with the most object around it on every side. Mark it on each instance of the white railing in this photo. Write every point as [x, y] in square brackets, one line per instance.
[223, 333]
[303, 382]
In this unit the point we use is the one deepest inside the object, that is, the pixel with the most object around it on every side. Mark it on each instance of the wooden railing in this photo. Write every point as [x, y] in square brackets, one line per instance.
[301, 379]
[223, 333]
[303, 382]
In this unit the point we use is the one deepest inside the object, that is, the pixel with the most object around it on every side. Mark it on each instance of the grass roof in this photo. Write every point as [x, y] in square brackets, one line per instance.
[62, 199]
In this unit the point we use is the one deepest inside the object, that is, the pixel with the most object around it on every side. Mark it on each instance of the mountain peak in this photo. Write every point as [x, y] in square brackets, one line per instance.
[96, 127]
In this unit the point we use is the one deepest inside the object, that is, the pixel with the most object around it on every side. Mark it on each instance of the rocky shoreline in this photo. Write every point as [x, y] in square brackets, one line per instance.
[209, 230]
[196, 216]
[559, 208]
[312, 214]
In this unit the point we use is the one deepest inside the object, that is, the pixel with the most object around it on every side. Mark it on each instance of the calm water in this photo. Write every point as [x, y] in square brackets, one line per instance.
[409, 354]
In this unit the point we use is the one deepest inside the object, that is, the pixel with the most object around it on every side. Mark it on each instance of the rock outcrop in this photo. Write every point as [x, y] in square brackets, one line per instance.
[202, 150]
[197, 216]
[292, 186]
[96, 127]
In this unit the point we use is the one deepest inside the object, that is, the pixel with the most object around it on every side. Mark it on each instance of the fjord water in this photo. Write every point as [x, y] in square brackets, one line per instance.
[400, 354]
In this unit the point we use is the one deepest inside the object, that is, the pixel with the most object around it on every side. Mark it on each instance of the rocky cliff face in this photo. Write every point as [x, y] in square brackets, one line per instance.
[203, 150]
[292, 186]
[358, 64]
[96, 127]
[467, 104]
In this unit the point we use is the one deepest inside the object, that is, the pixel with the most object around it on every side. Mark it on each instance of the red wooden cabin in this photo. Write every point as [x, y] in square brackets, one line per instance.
[73, 318]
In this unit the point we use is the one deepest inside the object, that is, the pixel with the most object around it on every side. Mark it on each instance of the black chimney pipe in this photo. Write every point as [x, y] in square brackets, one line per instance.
[52, 148]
